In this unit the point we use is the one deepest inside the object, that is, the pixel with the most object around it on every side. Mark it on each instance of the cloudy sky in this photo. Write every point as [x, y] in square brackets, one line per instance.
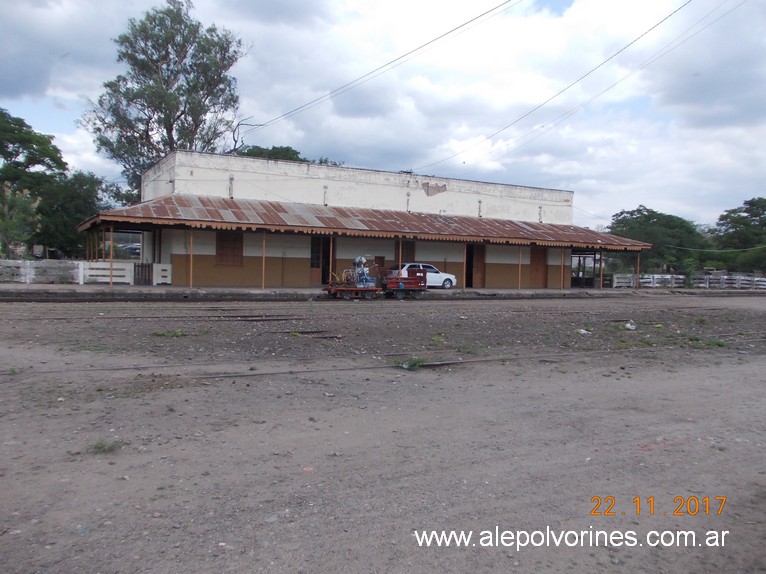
[669, 110]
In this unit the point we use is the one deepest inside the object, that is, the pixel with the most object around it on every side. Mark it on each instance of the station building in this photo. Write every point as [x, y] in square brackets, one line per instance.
[231, 221]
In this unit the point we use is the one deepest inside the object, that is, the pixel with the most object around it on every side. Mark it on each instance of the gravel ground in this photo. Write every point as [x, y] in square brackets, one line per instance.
[319, 436]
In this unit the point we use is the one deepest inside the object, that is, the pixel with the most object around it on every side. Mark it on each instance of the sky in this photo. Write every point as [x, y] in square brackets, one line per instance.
[660, 103]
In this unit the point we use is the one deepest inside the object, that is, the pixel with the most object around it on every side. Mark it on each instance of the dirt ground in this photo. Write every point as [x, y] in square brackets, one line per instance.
[289, 437]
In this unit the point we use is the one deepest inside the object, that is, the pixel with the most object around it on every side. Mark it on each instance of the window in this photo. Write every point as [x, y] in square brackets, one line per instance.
[228, 248]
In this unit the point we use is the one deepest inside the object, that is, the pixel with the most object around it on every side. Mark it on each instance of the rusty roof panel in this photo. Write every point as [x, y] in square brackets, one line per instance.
[217, 212]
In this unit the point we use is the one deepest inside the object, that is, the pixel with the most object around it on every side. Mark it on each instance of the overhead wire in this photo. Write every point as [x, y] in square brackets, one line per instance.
[561, 91]
[379, 70]
[664, 51]
[678, 41]
[717, 250]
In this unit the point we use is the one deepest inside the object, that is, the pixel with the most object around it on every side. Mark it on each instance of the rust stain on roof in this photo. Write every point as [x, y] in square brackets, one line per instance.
[225, 213]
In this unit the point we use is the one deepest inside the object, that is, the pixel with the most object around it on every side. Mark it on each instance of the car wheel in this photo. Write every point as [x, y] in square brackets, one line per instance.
[447, 284]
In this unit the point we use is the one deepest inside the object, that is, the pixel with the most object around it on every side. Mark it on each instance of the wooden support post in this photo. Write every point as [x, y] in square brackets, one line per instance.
[111, 255]
[191, 259]
[519, 264]
[330, 263]
[638, 270]
[601, 269]
[263, 260]
[562, 268]
[465, 270]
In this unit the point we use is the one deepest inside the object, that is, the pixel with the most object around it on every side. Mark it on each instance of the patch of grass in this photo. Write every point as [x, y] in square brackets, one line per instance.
[470, 349]
[103, 446]
[702, 320]
[697, 342]
[437, 339]
[295, 334]
[12, 371]
[411, 364]
[169, 333]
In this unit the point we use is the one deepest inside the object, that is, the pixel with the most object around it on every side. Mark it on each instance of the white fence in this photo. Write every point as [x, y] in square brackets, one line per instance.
[80, 272]
[698, 281]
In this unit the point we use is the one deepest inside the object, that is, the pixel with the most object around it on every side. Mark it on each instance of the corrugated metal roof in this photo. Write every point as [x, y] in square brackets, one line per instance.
[224, 213]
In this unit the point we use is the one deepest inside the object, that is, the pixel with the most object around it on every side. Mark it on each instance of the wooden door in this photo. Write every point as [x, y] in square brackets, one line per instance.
[538, 268]
[479, 267]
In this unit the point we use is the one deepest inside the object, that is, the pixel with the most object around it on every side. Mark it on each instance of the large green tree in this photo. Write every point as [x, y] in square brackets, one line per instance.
[743, 231]
[29, 162]
[66, 201]
[177, 93]
[676, 242]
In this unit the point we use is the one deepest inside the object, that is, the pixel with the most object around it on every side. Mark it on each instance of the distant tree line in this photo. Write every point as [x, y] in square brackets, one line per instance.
[737, 242]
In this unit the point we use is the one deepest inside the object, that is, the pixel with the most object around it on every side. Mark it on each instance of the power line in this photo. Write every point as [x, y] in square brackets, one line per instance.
[377, 71]
[668, 48]
[560, 92]
[717, 250]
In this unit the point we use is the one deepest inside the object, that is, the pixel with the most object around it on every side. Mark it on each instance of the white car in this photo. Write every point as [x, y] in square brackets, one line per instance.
[434, 277]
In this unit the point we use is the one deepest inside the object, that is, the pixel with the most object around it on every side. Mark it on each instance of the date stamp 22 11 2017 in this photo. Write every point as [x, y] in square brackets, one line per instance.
[648, 506]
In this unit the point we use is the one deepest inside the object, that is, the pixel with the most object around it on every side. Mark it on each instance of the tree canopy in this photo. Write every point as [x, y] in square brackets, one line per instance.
[276, 152]
[65, 202]
[41, 202]
[676, 242]
[28, 163]
[28, 158]
[176, 94]
[743, 229]
[281, 153]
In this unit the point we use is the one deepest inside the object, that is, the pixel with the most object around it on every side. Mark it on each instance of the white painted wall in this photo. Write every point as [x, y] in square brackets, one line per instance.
[293, 246]
[441, 252]
[555, 256]
[290, 246]
[351, 247]
[507, 254]
[296, 182]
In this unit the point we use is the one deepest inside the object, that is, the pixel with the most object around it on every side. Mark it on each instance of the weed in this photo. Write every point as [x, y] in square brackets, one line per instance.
[437, 339]
[12, 371]
[411, 364]
[295, 334]
[715, 343]
[102, 446]
[169, 333]
[623, 345]
[470, 349]
[702, 320]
